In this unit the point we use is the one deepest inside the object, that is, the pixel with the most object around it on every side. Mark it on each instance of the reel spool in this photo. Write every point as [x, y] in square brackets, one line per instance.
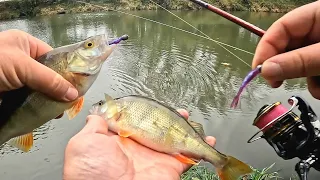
[290, 135]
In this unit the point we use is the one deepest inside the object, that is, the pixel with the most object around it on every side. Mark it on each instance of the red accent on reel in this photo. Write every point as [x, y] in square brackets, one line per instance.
[269, 113]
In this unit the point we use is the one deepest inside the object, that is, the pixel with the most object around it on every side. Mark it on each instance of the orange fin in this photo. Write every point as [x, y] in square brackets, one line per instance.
[233, 169]
[185, 159]
[24, 142]
[76, 108]
[124, 133]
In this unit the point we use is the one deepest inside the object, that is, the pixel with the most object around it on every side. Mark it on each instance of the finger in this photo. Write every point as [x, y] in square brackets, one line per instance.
[95, 124]
[184, 113]
[25, 42]
[37, 47]
[45, 80]
[292, 28]
[303, 62]
[313, 87]
[274, 84]
[211, 140]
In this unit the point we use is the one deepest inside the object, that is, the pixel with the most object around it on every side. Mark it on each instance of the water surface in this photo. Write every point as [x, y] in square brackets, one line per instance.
[171, 66]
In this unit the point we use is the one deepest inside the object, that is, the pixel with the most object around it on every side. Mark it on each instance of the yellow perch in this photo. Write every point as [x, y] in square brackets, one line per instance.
[23, 110]
[163, 129]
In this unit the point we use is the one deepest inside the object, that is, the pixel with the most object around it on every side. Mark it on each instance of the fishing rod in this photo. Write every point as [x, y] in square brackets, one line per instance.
[252, 28]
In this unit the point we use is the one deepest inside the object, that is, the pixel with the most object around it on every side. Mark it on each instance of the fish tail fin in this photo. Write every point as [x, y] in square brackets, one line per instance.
[252, 74]
[233, 169]
[235, 101]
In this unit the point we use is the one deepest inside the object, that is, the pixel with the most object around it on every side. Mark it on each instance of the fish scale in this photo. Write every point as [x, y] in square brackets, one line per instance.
[141, 115]
[159, 126]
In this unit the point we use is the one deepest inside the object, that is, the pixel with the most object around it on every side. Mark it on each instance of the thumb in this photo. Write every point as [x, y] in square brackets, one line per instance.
[303, 62]
[95, 124]
[43, 79]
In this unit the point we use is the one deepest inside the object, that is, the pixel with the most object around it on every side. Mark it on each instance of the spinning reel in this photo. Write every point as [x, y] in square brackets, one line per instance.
[291, 136]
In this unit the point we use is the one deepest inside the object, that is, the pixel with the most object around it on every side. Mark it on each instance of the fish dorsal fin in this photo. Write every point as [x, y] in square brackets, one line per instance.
[198, 127]
[76, 108]
[23, 142]
[112, 108]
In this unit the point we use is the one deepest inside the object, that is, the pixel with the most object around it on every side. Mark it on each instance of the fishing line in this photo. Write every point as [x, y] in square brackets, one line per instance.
[173, 27]
[202, 33]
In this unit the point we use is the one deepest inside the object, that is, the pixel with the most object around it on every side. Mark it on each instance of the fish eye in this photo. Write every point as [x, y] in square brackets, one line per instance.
[100, 103]
[88, 44]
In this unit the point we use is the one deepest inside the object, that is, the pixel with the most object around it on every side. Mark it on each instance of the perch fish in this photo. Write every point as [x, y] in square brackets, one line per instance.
[162, 128]
[23, 110]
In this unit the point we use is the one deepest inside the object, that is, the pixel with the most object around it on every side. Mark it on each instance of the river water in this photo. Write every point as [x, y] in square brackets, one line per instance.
[174, 67]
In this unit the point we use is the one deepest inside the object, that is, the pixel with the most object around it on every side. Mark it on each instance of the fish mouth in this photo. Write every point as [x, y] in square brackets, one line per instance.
[94, 65]
[103, 58]
[82, 74]
[108, 52]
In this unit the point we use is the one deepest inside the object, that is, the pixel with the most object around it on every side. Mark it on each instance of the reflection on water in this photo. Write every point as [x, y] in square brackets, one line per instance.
[175, 67]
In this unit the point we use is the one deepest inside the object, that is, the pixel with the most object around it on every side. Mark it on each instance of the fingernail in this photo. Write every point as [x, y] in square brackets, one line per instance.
[271, 69]
[71, 94]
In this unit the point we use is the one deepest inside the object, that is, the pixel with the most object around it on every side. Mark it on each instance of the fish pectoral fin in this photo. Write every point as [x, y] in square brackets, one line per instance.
[124, 133]
[198, 127]
[112, 110]
[185, 159]
[76, 108]
[23, 142]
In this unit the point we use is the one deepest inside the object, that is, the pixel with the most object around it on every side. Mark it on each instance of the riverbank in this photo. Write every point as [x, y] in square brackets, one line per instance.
[29, 8]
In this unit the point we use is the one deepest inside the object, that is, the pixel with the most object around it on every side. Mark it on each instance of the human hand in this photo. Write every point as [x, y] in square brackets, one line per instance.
[297, 31]
[18, 67]
[97, 154]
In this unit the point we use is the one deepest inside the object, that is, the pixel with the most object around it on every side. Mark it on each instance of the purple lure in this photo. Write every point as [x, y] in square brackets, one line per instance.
[252, 74]
[117, 40]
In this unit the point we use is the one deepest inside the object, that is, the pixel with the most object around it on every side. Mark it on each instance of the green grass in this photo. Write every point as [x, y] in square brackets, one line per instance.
[199, 173]
[202, 173]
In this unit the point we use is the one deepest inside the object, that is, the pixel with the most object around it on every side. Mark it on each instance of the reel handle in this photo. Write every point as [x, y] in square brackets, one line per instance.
[302, 168]
[307, 114]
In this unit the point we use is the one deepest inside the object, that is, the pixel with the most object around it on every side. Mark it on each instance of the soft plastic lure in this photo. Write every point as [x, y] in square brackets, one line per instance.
[251, 75]
[116, 41]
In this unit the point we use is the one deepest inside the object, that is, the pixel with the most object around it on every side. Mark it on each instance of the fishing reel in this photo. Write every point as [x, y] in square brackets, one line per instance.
[291, 136]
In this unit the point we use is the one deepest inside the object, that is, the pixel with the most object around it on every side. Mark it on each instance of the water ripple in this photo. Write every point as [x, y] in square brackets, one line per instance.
[128, 84]
[39, 134]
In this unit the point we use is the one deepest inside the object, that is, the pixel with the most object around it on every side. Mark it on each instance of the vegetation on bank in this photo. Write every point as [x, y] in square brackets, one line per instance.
[29, 8]
[202, 173]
